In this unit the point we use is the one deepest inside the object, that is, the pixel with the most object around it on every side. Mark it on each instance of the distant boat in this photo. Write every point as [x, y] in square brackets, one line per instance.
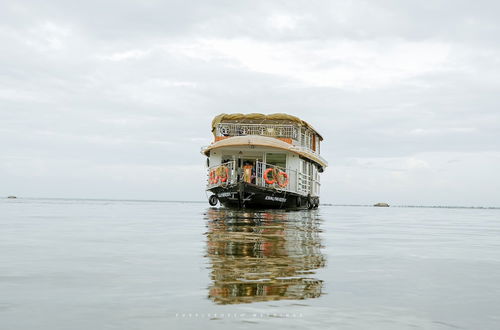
[264, 161]
[381, 205]
[11, 197]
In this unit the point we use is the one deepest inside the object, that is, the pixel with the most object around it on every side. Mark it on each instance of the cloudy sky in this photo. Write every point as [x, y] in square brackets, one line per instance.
[113, 99]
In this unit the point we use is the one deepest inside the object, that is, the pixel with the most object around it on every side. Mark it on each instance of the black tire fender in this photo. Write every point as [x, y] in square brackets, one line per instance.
[212, 200]
[309, 203]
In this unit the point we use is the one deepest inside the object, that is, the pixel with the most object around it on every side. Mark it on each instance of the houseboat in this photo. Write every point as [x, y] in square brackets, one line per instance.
[264, 161]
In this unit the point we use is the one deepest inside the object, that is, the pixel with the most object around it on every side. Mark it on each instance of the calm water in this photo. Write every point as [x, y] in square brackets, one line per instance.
[80, 264]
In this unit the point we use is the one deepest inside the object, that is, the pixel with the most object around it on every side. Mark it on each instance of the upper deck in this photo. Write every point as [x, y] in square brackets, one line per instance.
[287, 128]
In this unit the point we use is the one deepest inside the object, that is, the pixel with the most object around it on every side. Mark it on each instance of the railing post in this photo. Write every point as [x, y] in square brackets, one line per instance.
[296, 181]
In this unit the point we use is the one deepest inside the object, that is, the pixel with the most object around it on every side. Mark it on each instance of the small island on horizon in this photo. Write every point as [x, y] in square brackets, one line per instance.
[381, 205]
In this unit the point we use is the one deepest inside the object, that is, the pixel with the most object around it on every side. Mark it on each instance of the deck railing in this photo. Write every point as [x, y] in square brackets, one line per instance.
[272, 130]
[300, 183]
[231, 174]
[300, 140]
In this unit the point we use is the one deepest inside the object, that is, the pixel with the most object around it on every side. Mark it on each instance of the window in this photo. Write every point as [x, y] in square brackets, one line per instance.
[276, 159]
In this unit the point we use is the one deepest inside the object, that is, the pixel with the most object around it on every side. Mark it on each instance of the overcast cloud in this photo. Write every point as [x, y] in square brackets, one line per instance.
[114, 99]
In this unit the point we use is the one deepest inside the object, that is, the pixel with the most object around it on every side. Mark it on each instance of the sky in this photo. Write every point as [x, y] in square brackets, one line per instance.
[114, 99]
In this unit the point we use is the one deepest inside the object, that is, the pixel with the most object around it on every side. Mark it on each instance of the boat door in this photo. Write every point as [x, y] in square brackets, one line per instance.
[247, 167]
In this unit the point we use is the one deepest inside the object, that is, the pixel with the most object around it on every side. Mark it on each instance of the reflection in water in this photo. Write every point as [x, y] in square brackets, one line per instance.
[260, 256]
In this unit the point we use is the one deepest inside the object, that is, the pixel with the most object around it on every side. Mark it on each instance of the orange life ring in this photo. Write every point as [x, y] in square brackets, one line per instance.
[284, 183]
[224, 170]
[269, 181]
[213, 178]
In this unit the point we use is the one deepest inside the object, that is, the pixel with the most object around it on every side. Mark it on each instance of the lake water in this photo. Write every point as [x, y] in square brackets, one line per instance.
[87, 264]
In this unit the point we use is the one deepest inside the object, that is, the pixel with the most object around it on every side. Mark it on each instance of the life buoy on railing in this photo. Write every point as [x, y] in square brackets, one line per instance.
[279, 179]
[223, 173]
[266, 178]
[213, 177]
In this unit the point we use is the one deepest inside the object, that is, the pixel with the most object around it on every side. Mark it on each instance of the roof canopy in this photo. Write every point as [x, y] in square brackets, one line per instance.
[252, 117]
[264, 141]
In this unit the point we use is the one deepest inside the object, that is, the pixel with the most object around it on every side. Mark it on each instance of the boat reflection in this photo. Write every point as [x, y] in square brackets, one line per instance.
[261, 256]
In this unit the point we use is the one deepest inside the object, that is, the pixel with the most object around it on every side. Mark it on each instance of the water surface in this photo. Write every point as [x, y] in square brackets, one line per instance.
[90, 264]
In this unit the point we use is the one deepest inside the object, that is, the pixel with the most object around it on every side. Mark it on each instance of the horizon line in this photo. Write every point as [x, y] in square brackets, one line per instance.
[201, 201]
